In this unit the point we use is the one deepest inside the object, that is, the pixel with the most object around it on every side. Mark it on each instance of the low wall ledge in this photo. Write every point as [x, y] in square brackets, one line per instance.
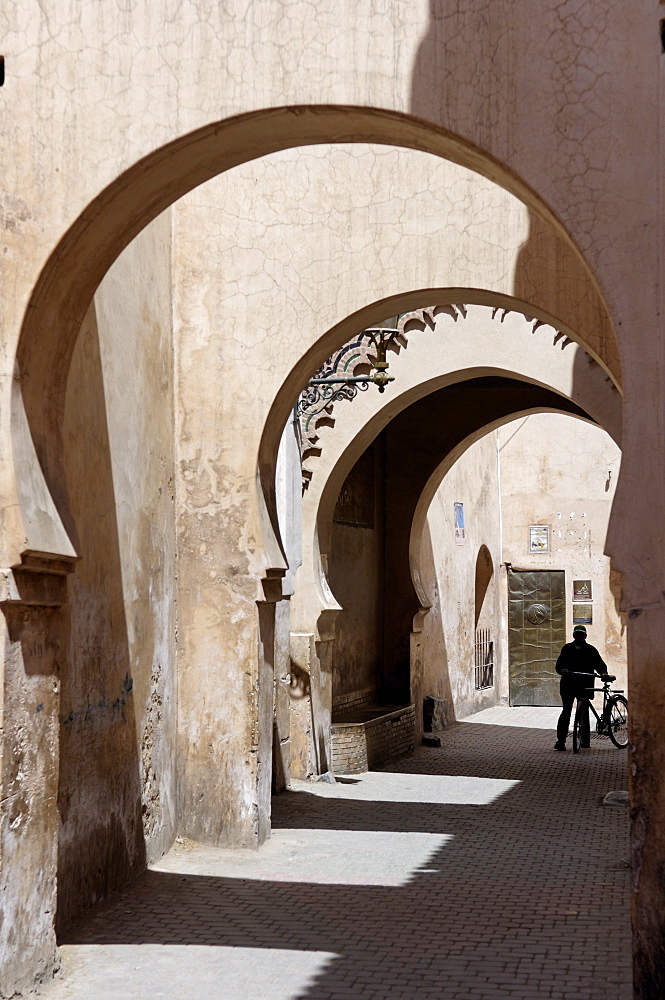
[39, 581]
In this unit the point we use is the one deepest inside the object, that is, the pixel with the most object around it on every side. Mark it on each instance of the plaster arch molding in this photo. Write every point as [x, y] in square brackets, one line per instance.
[444, 345]
[495, 240]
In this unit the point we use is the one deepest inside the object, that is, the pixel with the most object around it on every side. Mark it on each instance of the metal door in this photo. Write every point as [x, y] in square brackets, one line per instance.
[536, 633]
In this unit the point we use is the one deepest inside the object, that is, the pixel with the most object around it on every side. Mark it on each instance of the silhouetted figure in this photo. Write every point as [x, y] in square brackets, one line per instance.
[576, 657]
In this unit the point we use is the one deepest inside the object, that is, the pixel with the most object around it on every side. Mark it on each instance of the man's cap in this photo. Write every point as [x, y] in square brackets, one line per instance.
[579, 628]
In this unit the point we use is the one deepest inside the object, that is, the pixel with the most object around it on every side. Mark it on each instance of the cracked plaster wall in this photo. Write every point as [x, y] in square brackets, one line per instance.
[218, 637]
[262, 247]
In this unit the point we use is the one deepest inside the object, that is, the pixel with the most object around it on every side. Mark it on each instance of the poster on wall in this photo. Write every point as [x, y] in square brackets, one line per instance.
[460, 538]
[582, 590]
[539, 538]
[582, 614]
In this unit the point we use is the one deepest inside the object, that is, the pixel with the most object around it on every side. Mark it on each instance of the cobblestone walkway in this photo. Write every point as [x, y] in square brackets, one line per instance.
[483, 870]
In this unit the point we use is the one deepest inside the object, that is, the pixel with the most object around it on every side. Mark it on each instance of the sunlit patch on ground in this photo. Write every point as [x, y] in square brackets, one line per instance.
[439, 789]
[185, 972]
[522, 718]
[323, 857]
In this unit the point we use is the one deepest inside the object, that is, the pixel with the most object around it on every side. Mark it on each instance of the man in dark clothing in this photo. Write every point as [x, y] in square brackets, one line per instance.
[576, 657]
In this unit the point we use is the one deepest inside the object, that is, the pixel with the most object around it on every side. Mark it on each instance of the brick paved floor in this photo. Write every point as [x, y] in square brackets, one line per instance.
[483, 870]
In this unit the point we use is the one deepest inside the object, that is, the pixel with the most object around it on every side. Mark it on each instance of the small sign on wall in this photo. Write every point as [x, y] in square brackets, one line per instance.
[539, 538]
[460, 537]
[582, 614]
[582, 590]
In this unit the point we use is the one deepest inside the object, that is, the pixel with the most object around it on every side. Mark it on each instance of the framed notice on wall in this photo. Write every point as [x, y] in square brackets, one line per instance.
[582, 590]
[539, 538]
[582, 614]
[460, 538]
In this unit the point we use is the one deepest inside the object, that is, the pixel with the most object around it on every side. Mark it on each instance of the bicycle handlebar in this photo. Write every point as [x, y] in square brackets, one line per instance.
[580, 673]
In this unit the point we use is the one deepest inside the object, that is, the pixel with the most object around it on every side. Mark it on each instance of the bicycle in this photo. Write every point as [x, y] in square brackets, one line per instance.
[613, 720]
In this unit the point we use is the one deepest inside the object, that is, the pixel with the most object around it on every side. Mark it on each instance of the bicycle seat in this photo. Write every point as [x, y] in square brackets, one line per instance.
[610, 678]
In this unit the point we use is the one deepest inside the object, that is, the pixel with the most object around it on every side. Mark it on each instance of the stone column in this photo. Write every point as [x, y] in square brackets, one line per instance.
[281, 763]
[322, 690]
[265, 716]
[34, 631]
[311, 700]
[302, 756]
[225, 722]
[416, 670]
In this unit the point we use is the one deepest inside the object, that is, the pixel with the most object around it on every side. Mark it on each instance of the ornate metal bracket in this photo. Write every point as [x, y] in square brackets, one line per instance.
[330, 384]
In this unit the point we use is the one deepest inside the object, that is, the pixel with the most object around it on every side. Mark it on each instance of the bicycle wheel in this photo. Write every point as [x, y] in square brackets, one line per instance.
[578, 725]
[616, 717]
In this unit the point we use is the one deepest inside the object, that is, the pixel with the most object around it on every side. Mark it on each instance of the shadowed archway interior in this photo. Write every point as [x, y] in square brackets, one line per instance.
[405, 456]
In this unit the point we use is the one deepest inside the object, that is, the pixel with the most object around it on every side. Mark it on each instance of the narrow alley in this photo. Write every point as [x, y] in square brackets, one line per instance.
[482, 870]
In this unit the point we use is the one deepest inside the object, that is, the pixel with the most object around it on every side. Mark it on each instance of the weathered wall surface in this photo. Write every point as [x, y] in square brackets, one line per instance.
[117, 734]
[559, 472]
[33, 641]
[218, 624]
[411, 59]
[449, 627]
[356, 579]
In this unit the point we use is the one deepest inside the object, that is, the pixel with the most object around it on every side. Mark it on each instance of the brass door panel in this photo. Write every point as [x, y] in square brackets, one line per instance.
[536, 633]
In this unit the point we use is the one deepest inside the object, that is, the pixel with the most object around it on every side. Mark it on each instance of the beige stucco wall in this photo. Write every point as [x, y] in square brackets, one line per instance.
[117, 744]
[225, 61]
[217, 576]
[258, 252]
[560, 472]
[449, 570]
